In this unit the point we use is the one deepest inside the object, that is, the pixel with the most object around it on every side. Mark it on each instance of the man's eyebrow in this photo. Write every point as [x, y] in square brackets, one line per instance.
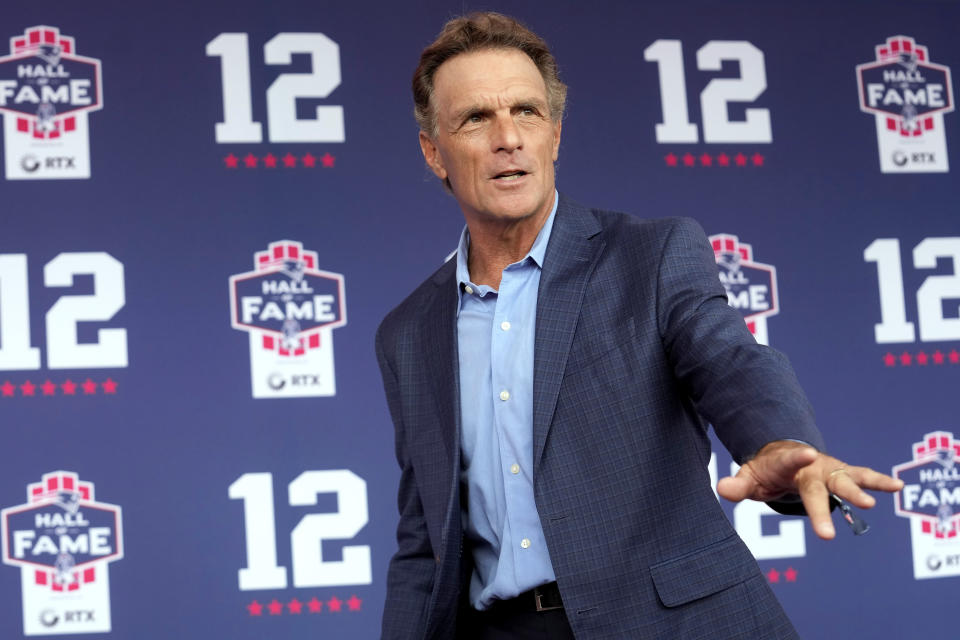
[540, 103]
[461, 114]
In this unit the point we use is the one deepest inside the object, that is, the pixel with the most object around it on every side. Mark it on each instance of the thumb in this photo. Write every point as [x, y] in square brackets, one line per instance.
[736, 488]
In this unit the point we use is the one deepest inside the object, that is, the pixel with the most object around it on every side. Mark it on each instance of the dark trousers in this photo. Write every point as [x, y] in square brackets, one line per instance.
[513, 625]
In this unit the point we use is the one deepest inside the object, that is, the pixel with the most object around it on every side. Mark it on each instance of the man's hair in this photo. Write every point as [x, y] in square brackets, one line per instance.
[478, 32]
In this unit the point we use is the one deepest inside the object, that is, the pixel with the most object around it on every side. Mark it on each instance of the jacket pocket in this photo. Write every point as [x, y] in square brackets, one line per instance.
[703, 572]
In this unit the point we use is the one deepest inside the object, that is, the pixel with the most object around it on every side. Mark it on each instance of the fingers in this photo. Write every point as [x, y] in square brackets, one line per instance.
[831, 475]
[787, 467]
[849, 483]
[816, 500]
[876, 481]
[841, 482]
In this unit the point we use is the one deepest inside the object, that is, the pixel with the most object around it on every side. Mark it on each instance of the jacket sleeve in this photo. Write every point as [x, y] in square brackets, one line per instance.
[748, 391]
[410, 576]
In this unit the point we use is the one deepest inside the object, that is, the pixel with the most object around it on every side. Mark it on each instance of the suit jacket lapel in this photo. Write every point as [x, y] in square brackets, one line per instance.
[439, 341]
[572, 253]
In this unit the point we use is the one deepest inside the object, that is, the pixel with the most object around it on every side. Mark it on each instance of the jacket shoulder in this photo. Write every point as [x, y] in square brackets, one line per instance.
[641, 237]
[617, 225]
[613, 224]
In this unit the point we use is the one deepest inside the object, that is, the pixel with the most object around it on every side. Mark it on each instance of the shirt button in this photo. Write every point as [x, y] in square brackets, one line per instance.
[468, 288]
[514, 468]
[504, 395]
[525, 543]
[505, 325]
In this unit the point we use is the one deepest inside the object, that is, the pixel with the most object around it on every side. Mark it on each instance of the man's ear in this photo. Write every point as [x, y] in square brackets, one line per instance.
[556, 139]
[432, 155]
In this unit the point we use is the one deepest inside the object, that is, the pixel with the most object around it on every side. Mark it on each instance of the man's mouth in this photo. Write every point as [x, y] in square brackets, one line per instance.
[507, 176]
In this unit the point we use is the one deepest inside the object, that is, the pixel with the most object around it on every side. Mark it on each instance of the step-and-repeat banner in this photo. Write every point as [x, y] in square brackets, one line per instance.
[207, 208]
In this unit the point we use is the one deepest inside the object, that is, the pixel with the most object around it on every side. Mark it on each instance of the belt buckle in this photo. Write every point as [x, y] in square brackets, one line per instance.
[536, 596]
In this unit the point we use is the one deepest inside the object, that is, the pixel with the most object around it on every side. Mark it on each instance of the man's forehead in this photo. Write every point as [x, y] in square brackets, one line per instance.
[488, 76]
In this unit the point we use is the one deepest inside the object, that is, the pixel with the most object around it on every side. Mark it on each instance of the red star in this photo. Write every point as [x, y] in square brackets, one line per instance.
[270, 161]
[327, 160]
[334, 604]
[757, 160]
[937, 357]
[670, 159]
[354, 603]
[309, 160]
[723, 160]
[49, 388]
[255, 608]
[109, 386]
[954, 357]
[89, 387]
[688, 160]
[905, 359]
[890, 360]
[289, 160]
[706, 160]
[250, 160]
[8, 389]
[740, 159]
[295, 606]
[922, 359]
[790, 574]
[276, 608]
[773, 575]
[231, 161]
[27, 388]
[69, 387]
[314, 605]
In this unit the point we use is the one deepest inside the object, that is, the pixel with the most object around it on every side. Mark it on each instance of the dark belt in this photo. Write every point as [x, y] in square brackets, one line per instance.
[546, 597]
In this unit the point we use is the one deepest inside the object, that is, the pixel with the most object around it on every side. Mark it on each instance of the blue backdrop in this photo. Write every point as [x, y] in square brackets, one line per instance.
[126, 208]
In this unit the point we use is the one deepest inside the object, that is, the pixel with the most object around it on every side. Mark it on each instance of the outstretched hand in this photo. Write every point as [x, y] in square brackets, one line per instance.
[785, 467]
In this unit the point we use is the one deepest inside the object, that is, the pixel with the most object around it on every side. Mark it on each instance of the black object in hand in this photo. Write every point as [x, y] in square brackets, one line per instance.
[857, 524]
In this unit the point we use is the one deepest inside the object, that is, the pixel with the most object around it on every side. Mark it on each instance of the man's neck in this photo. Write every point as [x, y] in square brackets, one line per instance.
[495, 244]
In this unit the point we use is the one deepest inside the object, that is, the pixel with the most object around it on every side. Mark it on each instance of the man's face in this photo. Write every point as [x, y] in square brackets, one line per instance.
[495, 139]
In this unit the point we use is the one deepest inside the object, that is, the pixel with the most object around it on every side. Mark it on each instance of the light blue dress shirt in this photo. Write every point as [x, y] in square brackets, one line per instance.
[495, 335]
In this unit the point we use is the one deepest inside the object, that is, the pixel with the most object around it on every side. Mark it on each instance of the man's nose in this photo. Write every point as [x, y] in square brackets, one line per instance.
[506, 135]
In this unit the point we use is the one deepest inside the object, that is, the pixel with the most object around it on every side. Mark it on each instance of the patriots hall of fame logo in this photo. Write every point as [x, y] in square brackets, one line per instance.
[751, 286]
[63, 540]
[908, 95]
[290, 308]
[46, 92]
[930, 498]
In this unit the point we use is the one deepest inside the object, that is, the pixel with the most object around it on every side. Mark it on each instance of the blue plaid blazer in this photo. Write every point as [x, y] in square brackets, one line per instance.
[636, 349]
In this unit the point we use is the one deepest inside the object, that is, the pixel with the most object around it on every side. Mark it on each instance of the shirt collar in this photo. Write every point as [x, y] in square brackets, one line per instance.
[536, 253]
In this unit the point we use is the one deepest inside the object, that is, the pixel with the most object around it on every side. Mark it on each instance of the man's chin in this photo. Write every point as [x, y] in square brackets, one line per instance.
[511, 215]
[516, 207]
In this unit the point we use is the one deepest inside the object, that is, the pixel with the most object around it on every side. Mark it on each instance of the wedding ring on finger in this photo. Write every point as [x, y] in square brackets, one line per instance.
[836, 472]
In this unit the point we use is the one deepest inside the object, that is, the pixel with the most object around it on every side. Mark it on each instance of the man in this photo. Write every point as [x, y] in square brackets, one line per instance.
[547, 385]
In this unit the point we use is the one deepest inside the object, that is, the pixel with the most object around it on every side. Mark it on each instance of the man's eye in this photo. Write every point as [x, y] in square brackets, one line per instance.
[475, 118]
